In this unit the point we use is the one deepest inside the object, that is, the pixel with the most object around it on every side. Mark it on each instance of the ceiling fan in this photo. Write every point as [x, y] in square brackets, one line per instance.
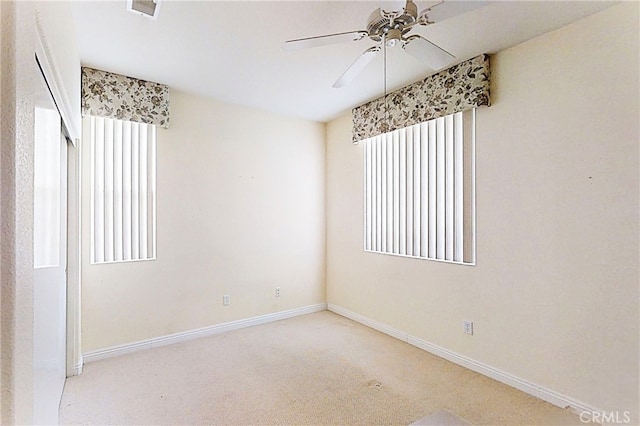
[388, 29]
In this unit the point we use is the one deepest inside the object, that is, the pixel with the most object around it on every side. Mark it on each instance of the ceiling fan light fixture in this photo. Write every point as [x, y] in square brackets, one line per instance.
[393, 37]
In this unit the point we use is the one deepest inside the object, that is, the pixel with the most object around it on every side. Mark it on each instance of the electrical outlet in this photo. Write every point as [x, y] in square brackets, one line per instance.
[468, 327]
[226, 300]
[277, 291]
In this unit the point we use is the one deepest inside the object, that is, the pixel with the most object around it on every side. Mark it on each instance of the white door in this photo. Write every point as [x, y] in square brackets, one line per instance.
[50, 259]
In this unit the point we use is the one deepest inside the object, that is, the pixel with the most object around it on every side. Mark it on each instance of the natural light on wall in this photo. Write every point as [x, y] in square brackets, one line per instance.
[123, 190]
[47, 188]
[420, 190]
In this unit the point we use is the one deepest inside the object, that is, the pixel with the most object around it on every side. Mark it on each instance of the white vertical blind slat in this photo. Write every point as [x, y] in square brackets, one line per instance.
[402, 211]
[416, 190]
[117, 191]
[449, 213]
[126, 192]
[368, 232]
[424, 185]
[390, 192]
[142, 226]
[152, 189]
[383, 194]
[396, 191]
[108, 192]
[378, 231]
[472, 207]
[135, 193]
[440, 188]
[459, 189]
[432, 189]
[98, 189]
[374, 196]
[409, 225]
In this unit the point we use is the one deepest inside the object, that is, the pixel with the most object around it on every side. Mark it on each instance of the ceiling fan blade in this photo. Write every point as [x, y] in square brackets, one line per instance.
[355, 68]
[432, 55]
[323, 40]
[448, 9]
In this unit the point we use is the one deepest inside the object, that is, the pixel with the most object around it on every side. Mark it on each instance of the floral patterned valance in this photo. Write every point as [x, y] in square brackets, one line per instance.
[461, 87]
[106, 94]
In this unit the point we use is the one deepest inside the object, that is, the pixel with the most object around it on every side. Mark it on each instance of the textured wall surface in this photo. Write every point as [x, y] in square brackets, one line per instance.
[16, 214]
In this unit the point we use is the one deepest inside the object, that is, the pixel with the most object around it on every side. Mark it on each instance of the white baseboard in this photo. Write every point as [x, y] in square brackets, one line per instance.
[77, 369]
[369, 322]
[200, 332]
[538, 391]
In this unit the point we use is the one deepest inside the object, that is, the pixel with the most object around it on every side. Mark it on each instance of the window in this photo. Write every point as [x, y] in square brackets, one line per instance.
[123, 190]
[419, 190]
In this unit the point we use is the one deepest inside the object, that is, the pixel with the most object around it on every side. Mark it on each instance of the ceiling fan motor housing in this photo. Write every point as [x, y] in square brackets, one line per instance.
[381, 22]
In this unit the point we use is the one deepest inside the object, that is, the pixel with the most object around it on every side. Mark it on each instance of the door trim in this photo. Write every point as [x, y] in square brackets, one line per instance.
[54, 81]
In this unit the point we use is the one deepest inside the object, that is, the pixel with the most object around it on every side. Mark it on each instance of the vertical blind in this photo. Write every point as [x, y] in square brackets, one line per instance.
[123, 190]
[420, 190]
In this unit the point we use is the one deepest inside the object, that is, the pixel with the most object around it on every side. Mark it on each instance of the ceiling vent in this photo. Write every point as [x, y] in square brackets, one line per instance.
[146, 8]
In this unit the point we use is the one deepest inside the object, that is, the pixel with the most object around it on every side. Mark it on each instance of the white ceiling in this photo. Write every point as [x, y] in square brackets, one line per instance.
[232, 50]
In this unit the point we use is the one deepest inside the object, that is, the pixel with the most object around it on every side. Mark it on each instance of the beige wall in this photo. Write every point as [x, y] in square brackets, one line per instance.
[240, 211]
[16, 214]
[554, 295]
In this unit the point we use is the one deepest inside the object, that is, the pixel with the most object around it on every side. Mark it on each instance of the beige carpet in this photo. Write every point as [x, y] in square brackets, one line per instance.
[314, 369]
[441, 418]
